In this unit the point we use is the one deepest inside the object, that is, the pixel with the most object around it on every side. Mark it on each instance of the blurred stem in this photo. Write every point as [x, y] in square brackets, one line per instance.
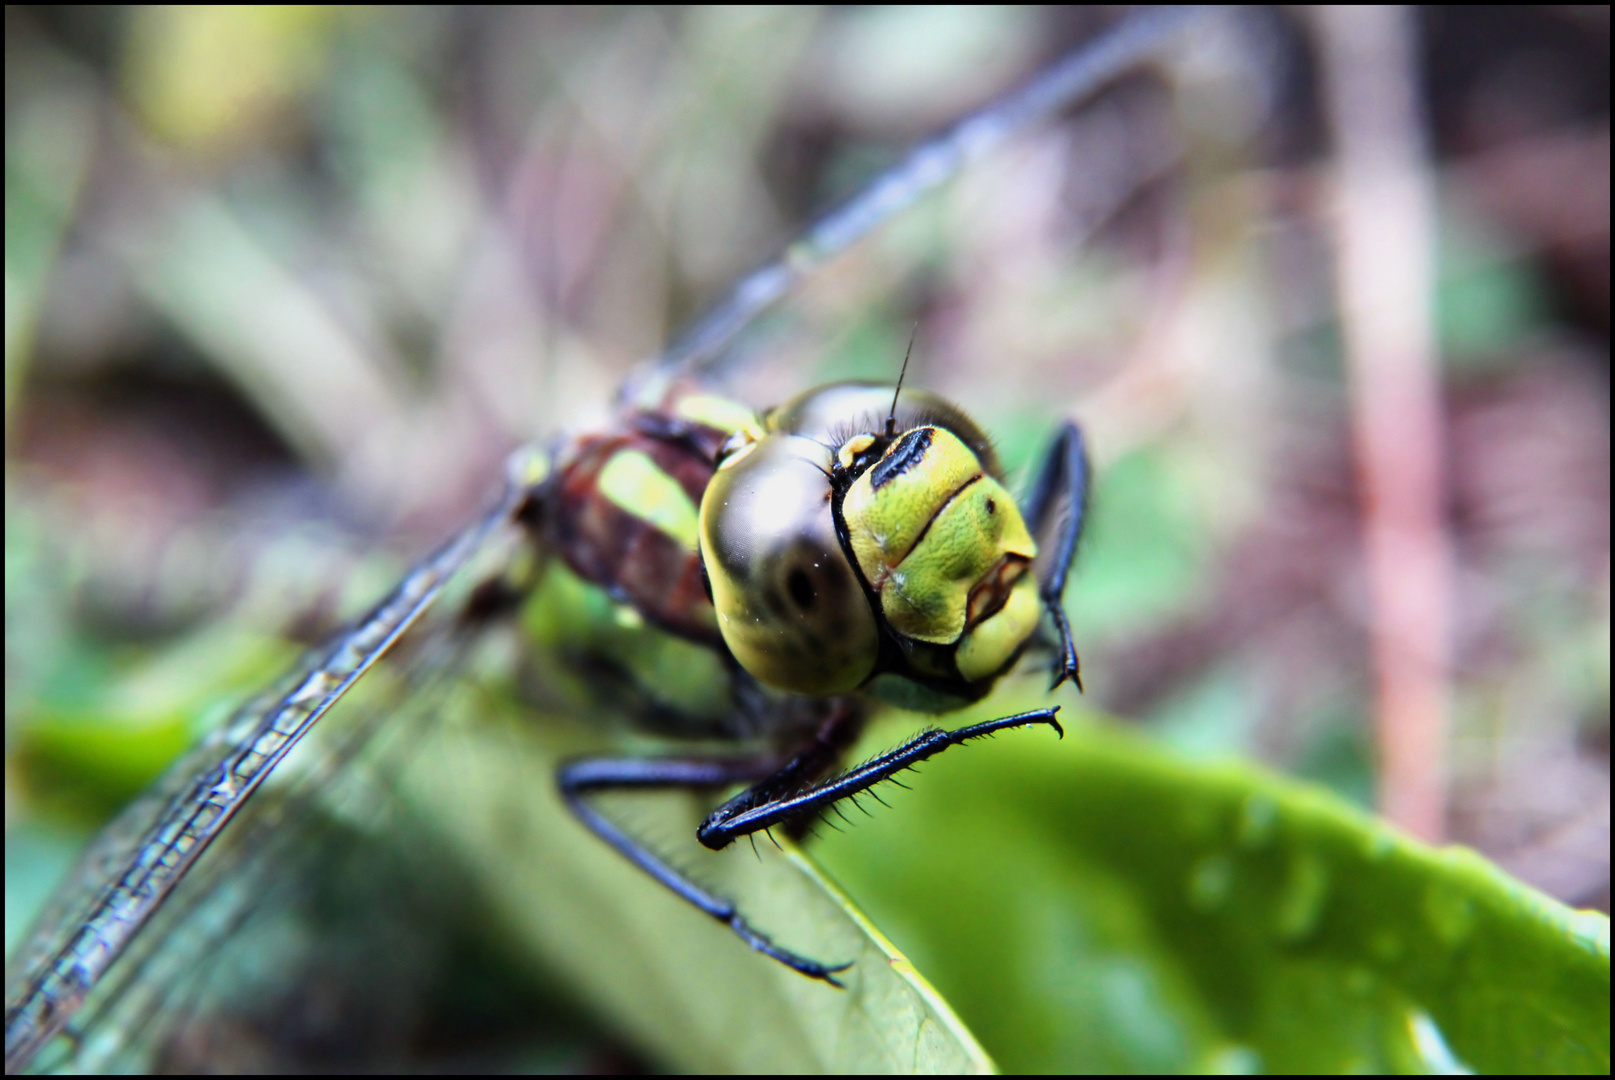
[50, 135]
[1384, 241]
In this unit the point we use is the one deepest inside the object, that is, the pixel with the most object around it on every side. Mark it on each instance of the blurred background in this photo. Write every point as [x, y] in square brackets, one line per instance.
[284, 286]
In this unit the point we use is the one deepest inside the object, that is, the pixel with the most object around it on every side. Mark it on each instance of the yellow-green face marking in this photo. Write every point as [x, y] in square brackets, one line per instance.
[945, 548]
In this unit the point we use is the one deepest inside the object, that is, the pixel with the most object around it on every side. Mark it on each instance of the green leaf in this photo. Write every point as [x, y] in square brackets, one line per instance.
[1096, 904]
[679, 986]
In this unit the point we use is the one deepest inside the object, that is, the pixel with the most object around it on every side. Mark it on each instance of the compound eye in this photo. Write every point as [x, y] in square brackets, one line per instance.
[790, 607]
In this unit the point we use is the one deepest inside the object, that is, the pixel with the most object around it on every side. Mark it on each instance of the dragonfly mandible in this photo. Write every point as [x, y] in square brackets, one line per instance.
[799, 613]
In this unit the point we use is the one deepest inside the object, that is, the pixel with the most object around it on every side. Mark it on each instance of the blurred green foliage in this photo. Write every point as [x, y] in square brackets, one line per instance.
[1102, 906]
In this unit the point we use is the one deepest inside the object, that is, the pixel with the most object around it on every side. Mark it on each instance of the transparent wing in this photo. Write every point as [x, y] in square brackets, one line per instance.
[276, 951]
[132, 869]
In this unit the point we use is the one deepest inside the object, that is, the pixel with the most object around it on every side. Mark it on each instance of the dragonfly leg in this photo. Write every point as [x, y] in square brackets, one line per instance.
[773, 803]
[576, 779]
[1061, 488]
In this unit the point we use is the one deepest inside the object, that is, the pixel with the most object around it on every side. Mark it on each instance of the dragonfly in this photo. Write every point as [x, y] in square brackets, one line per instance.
[856, 544]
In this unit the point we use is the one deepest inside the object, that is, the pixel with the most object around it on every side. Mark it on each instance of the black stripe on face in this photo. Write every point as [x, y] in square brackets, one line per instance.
[909, 452]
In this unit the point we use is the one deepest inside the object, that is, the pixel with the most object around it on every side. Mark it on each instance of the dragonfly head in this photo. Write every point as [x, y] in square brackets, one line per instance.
[846, 549]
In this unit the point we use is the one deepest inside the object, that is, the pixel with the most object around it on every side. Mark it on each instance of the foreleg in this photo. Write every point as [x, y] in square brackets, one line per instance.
[1062, 480]
[772, 803]
[579, 778]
